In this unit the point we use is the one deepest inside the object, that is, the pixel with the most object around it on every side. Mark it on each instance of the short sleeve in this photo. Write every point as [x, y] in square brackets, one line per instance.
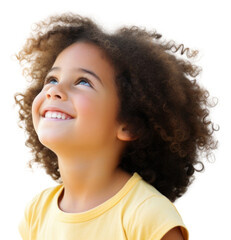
[153, 218]
[24, 224]
[23, 228]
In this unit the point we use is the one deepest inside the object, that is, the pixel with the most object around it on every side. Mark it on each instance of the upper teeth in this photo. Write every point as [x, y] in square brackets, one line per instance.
[58, 115]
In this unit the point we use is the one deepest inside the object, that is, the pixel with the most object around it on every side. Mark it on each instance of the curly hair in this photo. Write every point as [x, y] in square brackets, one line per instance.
[160, 99]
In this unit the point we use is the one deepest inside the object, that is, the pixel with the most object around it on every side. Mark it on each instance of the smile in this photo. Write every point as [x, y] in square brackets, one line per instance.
[57, 115]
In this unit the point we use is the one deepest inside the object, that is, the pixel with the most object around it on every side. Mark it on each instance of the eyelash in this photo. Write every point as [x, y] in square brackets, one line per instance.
[81, 79]
[85, 80]
[48, 80]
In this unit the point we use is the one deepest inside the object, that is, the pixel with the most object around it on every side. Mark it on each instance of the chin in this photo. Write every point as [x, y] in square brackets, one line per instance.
[50, 140]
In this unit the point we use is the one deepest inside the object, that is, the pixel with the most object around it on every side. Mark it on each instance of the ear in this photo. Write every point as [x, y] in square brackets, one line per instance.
[124, 134]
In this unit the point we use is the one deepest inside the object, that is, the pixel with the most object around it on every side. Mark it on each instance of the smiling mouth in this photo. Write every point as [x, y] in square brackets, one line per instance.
[56, 115]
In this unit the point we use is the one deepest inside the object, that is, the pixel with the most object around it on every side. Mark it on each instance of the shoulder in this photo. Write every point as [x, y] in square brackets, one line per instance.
[152, 214]
[41, 200]
[35, 207]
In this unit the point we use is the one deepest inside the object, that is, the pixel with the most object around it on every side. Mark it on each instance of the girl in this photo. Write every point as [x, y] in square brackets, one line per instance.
[119, 121]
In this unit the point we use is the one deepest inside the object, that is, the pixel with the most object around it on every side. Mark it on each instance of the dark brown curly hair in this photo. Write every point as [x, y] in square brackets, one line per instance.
[160, 100]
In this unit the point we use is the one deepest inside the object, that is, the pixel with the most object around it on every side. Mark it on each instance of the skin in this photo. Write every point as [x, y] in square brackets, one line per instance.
[89, 142]
[173, 234]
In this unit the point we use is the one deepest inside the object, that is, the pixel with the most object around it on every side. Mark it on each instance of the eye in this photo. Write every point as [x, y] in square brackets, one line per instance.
[83, 81]
[50, 80]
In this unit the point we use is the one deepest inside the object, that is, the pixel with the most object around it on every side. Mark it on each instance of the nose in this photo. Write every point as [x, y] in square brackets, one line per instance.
[55, 92]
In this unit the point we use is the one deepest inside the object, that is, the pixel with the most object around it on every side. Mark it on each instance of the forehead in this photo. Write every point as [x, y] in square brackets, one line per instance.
[82, 54]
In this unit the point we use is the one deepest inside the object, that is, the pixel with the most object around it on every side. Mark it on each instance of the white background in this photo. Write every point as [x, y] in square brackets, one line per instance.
[202, 25]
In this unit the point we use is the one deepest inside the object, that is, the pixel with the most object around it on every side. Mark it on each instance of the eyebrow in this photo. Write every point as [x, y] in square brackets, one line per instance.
[79, 69]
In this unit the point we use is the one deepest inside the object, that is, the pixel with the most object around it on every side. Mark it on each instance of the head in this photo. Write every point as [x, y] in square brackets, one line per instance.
[76, 111]
[160, 109]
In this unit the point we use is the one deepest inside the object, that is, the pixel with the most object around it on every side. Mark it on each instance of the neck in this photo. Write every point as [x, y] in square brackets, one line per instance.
[89, 180]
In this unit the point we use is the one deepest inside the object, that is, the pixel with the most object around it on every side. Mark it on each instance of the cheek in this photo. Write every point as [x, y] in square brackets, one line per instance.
[86, 107]
[97, 111]
[35, 109]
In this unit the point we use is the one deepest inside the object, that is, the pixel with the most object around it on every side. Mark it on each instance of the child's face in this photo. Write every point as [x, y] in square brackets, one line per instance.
[78, 105]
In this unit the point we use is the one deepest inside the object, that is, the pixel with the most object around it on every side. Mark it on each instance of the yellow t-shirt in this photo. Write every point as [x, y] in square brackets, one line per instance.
[137, 211]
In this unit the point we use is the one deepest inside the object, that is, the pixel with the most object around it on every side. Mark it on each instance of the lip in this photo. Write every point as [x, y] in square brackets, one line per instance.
[55, 109]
